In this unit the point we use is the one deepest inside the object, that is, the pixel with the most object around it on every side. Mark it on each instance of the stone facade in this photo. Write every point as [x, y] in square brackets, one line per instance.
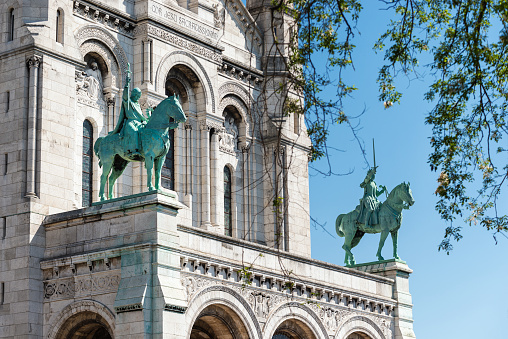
[158, 264]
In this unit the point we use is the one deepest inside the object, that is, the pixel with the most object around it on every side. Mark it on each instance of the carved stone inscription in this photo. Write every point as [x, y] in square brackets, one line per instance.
[186, 22]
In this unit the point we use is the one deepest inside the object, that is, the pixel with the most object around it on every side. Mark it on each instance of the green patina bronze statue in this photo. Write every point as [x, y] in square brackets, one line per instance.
[136, 138]
[372, 216]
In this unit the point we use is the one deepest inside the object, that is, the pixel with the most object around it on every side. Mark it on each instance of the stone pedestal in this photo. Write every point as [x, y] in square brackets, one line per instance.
[399, 272]
[131, 243]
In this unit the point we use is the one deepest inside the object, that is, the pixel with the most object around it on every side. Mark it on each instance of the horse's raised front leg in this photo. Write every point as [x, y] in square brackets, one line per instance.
[395, 234]
[158, 168]
[149, 159]
[384, 234]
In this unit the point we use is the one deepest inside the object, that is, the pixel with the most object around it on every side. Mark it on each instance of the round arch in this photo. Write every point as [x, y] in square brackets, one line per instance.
[241, 108]
[294, 315]
[81, 312]
[215, 298]
[184, 58]
[360, 324]
[90, 32]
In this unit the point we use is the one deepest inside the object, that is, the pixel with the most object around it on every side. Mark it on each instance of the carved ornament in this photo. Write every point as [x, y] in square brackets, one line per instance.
[179, 42]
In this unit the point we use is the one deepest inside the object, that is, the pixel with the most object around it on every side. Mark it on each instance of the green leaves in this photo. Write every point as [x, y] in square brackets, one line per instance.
[468, 42]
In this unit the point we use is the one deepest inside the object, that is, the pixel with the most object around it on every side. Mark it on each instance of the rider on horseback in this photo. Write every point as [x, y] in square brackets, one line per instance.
[130, 119]
[369, 202]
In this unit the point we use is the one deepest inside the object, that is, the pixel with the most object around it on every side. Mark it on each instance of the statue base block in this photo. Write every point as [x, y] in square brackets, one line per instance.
[399, 271]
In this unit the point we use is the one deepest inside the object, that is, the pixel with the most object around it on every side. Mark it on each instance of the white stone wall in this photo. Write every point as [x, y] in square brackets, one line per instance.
[214, 55]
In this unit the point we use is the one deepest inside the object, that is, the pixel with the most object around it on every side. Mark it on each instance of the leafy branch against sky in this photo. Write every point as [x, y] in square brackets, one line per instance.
[467, 42]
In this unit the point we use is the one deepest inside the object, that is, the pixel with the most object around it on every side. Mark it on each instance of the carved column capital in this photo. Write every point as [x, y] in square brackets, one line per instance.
[188, 126]
[110, 100]
[34, 61]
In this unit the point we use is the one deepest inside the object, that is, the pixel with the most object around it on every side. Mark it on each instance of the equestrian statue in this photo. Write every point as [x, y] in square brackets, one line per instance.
[372, 216]
[137, 138]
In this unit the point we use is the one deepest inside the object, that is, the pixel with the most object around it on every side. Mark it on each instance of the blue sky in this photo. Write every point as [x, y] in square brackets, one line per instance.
[461, 295]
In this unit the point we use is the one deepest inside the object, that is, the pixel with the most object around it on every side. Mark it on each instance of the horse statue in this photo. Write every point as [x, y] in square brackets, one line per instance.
[389, 221]
[154, 142]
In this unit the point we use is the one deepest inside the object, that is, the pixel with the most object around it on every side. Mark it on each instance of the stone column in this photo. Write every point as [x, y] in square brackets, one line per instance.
[33, 63]
[214, 188]
[188, 159]
[147, 60]
[399, 272]
[205, 175]
[245, 191]
[110, 100]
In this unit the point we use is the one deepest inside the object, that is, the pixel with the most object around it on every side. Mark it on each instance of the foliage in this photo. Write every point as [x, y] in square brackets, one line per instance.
[470, 92]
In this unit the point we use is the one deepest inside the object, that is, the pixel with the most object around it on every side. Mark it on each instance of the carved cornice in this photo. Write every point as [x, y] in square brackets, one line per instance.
[103, 17]
[177, 41]
[240, 73]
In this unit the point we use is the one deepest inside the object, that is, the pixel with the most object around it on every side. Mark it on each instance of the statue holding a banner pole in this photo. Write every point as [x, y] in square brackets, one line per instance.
[137, 138]
[372, 216]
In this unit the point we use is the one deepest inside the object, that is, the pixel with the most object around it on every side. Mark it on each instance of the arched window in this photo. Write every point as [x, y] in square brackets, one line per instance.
[10, 29]
[87, 168]
[228, 213]
[59, 26]
[168, 169]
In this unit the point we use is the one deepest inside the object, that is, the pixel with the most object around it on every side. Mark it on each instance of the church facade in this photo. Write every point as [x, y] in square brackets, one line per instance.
[223, 251]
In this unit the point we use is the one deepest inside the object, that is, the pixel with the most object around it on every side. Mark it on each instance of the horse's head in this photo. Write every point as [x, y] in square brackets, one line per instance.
[406, 194]
[176, 111]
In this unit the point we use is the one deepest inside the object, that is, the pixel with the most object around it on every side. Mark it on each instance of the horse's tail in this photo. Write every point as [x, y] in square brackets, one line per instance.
[338, 221]
[96, 148]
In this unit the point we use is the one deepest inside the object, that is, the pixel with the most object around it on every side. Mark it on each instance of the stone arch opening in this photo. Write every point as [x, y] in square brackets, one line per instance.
[182, 81]
[218, 321]
[293, 329]
[85, 325]
[358, 335]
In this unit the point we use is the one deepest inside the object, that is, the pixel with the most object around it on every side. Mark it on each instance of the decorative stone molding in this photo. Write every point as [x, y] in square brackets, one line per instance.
[129, 308]
[175, 308]
[98, 15]
[209, 125]
[233, 88]
[189, 60]
[100, 34]
[332, 307]
[178, 42]
[240, 73]
[71, 287]
[107, 57]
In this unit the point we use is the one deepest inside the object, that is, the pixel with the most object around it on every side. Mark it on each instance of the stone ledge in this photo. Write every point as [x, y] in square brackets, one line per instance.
[269, 250]
[383, 266]
[98, 209]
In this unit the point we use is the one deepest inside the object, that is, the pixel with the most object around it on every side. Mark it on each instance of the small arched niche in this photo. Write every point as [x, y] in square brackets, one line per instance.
[85, 325]
[218, 321]
[293, 329]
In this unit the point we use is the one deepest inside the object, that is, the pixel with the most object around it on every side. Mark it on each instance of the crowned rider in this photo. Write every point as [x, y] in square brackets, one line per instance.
[369, 202]
[130, 119]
